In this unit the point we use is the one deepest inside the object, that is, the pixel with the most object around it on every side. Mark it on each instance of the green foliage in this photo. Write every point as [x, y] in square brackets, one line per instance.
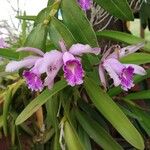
[76, 21]
[118, 8]
[83, 117]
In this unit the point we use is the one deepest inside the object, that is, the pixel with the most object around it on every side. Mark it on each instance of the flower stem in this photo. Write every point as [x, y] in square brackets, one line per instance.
[40, 119]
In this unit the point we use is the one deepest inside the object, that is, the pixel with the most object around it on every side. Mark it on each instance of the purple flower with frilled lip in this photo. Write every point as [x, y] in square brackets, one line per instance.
[33, 81]
[85, 4]
[122, 74]
[50, 64]
[73, 71]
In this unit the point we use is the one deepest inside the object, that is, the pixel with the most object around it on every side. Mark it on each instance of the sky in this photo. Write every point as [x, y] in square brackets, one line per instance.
[31, 7]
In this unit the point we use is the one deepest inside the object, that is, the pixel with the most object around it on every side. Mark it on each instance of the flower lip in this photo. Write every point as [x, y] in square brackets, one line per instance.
[126, 78]
[33, 81]
[73, 72]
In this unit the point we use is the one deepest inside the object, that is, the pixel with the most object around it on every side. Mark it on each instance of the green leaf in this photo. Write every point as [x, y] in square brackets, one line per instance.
[71, 138]
[37, 37]
[143, 118]
[113, 114]
[31, 18]
[52, 106]
[58, 31]
[8, 99]
[76, 21]
[123, 37]
[42, 15]
[1, 121]
[139, 95]
[96, 132]
[34, 105]
[136, 58]
[118, 8]
[9, 53]
[48, 12]
[93, 113]
[84, 137]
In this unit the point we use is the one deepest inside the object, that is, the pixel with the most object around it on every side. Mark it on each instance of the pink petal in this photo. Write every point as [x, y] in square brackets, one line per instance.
[114, 64]
[79, 49]
[26, 62]
[52, 62]
[114, 69]
[31, 49]
[102, 76]
[73, 72]
[130, 49]
[137, 69]
[38, 67]
[85, 4]
[62, 46]
[67, 56]
[33, 81]
[3, 44]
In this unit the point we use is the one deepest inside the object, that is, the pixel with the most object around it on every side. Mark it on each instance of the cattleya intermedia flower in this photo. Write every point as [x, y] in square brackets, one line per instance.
[122, 74]
[50, 63]
[3, 44]
[85, 4]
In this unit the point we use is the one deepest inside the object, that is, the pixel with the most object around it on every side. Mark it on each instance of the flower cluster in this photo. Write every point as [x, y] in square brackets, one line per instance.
[122, 74]
[50, 63]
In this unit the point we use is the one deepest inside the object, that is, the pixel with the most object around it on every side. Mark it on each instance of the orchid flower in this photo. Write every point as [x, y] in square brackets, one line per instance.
[122, 74]
[85, 4]
[3, 44]
[50, 63]
[73, 71]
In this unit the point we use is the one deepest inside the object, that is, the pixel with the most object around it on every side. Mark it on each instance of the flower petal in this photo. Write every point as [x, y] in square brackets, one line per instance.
[137, 69]
[85, 4]
[3, 44]
[114, 68]
[130, 49]
[31, 49]
[67, 56]
[126, 78]
[102, 76]
[26, 62]
[33, 81]
[62, 46]
[73, 72]
[79, 49]
[38, 66]
[52, 63]
[114, 64]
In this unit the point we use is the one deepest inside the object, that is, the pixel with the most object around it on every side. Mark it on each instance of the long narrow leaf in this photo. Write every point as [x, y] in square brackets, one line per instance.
[96, 132]
[34, 105]
[113, 114]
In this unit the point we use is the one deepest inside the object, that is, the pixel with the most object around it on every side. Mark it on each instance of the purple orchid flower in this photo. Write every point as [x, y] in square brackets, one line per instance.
[122, 74]
[50, 63]
[73, 71]
[85, 4]
[3, 44]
